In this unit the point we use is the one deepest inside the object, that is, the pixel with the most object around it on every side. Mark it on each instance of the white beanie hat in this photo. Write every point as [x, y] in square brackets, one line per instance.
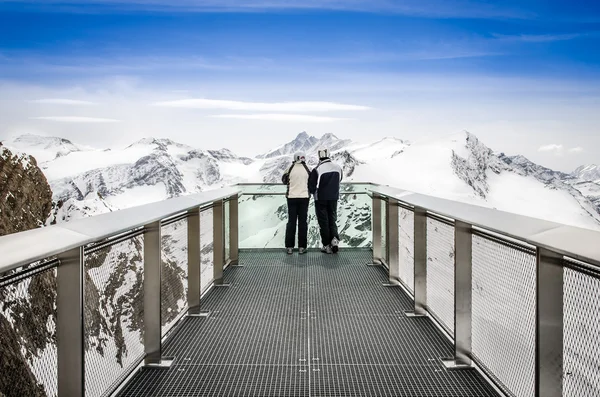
[299, 156]
[323, 153]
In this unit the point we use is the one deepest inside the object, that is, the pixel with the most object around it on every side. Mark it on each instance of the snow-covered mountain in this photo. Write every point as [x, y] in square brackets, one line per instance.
[43, 148]
[306, 144]
[587, 173]
[457, 166]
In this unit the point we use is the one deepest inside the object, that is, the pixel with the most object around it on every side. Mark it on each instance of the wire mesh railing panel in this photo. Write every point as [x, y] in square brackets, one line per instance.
[504, 307]
[173, 281]
[28, 356]
[384, 246]
[263, 220]
[406, 254]
[227, 206]
[581, 337]
[440, 271]
[206, 247]
[113, 314]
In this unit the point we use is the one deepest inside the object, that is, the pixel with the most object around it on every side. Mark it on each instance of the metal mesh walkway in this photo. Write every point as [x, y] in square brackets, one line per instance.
[311, 325]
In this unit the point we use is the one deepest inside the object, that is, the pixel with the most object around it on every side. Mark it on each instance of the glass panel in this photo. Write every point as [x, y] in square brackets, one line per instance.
[174, 282]
[504, 285]
[206, 246]
[440, 271]
[281, 188]
[581, 338]
[263, 220]
[227, 241]
[114, 299]
[28, 360]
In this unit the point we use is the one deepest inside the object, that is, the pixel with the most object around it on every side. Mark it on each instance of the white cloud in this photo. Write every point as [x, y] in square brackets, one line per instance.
[281, 117]
[76, 119]
[559, 149]
[61, 101]
[312, 106]
[551, 148]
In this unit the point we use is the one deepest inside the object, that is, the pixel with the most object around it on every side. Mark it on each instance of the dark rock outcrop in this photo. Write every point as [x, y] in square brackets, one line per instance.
[25, 195]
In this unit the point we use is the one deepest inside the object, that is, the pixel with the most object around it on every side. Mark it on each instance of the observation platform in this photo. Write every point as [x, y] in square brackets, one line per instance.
[189, 297]
[307, 325]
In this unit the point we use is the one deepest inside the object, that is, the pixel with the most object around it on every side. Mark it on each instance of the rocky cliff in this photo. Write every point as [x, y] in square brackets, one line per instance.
[25, 203]
[25, 195]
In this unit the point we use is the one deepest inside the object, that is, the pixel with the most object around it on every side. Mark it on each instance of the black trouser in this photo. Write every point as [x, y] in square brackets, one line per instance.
[297, 212]
[327, 216]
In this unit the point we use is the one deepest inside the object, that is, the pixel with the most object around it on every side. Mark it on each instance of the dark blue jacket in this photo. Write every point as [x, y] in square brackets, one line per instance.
[324, 181]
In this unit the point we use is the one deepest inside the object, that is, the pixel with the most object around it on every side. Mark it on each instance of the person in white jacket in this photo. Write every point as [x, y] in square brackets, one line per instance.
[296, 179]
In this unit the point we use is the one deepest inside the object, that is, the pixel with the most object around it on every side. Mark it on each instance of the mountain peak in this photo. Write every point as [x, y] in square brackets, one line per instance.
[590, 172]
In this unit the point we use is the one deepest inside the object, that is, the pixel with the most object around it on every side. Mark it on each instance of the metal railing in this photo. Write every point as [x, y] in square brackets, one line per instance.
[95, 297]
[518, 296]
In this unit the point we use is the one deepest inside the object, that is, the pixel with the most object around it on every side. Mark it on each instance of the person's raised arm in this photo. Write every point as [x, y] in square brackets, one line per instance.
[312, 181]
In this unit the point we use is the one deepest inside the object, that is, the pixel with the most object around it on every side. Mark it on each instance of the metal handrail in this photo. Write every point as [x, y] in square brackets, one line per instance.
[554, 246]
[578, 243]
[23, 248]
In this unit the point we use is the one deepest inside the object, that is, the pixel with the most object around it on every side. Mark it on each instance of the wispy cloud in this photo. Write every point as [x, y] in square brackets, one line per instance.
[421, 8]
[312, 106]
[559, 149]
[76, 119]
[59, 101]
[540, 38]
[281, 117]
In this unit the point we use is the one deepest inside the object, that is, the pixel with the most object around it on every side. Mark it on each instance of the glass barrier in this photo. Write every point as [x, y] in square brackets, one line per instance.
[281, 188]
[263, 218]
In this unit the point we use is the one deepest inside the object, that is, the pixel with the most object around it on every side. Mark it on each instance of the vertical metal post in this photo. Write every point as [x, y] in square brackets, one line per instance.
[193, 245]
[549, 325]
[393, 243]
[233, 230]
[70, 323]
[420, 249]
[152, 275]
[218, 242]
[376, 226]
[463, 271]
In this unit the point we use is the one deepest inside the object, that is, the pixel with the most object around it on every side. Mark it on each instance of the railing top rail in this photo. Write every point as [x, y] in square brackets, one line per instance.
[23, 248]
[575, 242]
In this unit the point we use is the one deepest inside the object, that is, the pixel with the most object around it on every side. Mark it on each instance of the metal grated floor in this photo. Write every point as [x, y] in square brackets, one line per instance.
[311, 325]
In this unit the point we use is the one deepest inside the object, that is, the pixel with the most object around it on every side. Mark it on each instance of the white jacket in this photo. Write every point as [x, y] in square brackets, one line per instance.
[296, 179]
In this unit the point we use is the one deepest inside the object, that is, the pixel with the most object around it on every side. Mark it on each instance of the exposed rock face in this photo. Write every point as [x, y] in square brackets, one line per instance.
[27, 308]
[25, 195]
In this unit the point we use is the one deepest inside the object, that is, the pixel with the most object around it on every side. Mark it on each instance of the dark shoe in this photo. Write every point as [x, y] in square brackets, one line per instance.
[302, 251]
[335, 245]
[290, 251]
[326, 249]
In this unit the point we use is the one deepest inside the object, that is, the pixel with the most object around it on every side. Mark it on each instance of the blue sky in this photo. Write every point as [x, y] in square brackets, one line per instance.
[522, 75]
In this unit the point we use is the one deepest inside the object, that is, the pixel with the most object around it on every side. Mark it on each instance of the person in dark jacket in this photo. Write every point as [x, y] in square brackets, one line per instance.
[296, 179]
[324, 185]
